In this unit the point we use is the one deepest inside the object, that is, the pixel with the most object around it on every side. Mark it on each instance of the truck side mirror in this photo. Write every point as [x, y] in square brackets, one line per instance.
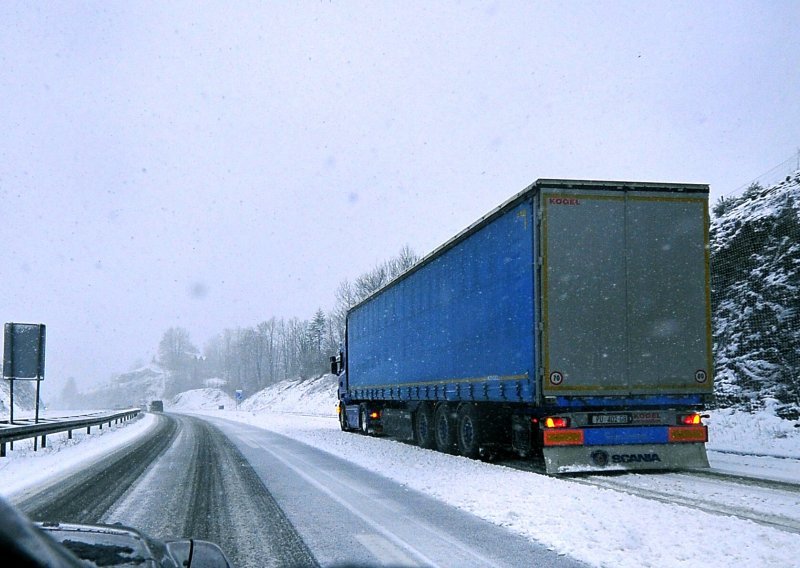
[334, 366]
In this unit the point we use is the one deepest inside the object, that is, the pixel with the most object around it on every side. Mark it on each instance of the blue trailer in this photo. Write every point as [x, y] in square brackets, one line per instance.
[572, 323]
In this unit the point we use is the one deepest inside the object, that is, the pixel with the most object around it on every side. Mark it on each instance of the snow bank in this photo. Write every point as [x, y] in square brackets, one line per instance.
[316, 397]
[313, 396]
[760, 433]
[201, 399]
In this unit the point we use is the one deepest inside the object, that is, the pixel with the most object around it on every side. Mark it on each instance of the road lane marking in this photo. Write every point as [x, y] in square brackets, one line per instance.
[247, 441]
[386, 552]
[395, 509]
[355, 511]
[390, 505]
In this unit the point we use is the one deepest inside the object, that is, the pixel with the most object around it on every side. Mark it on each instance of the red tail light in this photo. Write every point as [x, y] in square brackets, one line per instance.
[690, 419]
[375, 415]
[556, 422]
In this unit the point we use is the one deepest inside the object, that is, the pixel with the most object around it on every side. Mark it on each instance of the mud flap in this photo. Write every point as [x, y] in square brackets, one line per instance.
[578, 459]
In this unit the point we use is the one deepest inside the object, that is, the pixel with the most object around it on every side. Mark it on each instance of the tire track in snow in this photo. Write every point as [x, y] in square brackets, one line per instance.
[85, 496]
[617, 482]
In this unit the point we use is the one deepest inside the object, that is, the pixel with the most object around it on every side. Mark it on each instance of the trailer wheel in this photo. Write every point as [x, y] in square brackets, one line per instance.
[469, 432]
[445, 429]
[363, 419]
[423, 427]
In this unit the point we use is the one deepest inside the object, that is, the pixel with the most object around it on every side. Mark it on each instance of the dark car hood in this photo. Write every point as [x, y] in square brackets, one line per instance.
[114, 545]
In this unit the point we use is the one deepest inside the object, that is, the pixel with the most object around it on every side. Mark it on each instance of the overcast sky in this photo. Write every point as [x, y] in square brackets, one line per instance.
[212, 165]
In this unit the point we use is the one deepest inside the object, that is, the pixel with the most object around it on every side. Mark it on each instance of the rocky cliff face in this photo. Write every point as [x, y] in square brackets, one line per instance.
[755, 273]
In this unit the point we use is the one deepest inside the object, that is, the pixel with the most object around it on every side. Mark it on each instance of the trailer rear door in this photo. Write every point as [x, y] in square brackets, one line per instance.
[625, 292]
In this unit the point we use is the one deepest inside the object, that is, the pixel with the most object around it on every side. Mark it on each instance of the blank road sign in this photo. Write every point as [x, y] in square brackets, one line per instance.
[23, 353]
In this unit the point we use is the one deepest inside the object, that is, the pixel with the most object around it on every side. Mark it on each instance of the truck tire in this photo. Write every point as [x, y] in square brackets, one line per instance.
[363, 419]
[423, 427]
[343, 419]
[445, 429]
[470, 432]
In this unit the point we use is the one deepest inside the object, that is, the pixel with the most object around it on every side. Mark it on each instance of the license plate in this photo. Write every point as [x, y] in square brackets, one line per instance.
[611, 419]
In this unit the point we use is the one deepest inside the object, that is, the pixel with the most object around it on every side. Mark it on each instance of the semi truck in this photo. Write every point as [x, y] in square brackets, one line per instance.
[571, 325]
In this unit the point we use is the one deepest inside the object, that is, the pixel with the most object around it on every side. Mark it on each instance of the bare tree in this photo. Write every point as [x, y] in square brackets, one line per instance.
[255, 357]
[175, 349]
[348, 295]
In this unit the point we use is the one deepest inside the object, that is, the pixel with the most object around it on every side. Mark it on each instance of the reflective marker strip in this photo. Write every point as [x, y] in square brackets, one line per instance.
[688, 434]
[561, 437]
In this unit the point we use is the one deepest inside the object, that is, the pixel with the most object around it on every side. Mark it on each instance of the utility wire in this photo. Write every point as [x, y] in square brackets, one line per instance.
[790, 164]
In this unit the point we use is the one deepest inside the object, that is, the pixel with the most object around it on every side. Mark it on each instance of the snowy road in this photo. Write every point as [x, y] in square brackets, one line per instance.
[683, 520]
[348, 514]
[84, 496]
[274, 487]
[184, 478]
[269, 500]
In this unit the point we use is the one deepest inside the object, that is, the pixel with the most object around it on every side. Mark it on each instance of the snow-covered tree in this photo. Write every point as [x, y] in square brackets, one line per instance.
[755, 268]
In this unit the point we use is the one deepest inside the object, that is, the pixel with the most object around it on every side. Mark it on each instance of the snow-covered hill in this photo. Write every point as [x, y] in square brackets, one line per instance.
[755, 267]
[202, 399]
[313, 396]
[133, 388]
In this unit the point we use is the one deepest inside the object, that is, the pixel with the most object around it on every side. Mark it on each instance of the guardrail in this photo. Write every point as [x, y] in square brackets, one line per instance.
[9, 433]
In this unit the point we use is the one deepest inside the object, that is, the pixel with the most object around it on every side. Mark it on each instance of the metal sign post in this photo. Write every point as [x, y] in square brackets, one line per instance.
[36, 416]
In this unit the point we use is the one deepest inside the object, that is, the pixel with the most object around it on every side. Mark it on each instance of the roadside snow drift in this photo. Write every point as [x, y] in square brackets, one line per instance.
[202, 399]
[312, 396]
